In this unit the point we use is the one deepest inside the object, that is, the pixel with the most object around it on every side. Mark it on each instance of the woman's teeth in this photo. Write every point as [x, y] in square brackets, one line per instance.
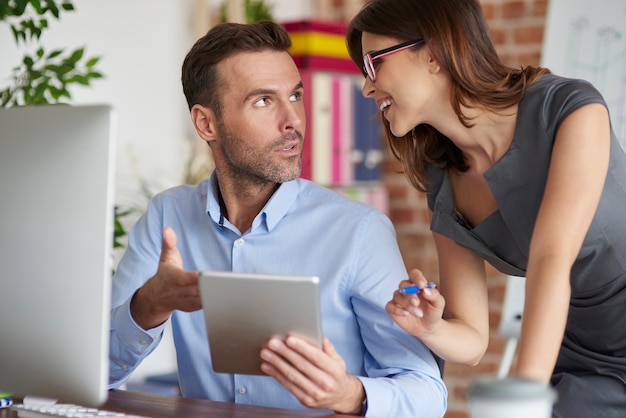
[384, 104]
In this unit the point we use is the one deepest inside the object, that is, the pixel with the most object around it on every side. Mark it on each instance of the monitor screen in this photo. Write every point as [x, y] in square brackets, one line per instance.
[56, 227]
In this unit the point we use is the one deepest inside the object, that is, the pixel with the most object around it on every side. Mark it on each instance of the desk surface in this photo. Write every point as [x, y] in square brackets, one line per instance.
[159, 406]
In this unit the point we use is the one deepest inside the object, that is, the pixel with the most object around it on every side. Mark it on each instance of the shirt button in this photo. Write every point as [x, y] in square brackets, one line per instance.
[242, 390]
[143, 342]
[124, 366]
[240, 241]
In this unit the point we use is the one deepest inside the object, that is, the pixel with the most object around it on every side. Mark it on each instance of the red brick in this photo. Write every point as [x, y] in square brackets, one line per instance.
[513, 9]
[402, 216]
[498, 35]
[488, 10]
[397, 191]
[540, 8]
[529, 34]
[530, 58]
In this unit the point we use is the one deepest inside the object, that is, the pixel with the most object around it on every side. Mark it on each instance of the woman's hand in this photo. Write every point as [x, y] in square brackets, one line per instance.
[416, 313]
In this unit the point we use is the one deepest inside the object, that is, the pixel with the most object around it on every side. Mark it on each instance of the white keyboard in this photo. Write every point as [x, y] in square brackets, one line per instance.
[65, 410]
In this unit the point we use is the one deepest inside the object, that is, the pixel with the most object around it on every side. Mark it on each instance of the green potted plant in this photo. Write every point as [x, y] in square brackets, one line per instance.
[42, 77]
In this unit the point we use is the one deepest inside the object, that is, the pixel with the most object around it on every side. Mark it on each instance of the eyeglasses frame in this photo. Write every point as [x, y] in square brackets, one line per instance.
[368, 59]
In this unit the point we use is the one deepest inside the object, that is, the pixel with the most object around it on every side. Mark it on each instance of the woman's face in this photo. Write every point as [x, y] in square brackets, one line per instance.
[405, 86]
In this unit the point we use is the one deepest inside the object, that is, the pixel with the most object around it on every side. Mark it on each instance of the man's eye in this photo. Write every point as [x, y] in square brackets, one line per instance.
[261, 102]
[295, 97]
[376, 63]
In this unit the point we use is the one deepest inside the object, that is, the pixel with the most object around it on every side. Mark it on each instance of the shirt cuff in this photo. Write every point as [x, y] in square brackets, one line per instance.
[132, 335]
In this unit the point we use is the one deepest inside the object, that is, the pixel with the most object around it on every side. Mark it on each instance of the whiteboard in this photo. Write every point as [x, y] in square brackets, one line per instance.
[587, 39]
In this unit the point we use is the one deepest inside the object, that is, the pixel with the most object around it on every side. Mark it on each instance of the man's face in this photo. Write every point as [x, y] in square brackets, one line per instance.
[261, 131]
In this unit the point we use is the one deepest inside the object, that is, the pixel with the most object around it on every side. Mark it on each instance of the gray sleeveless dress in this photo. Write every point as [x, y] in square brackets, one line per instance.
[590, 374]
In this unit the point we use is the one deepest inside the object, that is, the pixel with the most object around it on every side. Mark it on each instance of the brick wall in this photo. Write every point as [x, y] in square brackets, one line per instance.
[517, 29]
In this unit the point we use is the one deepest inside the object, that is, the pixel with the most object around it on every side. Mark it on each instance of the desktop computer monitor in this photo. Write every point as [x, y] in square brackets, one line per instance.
[56, 227]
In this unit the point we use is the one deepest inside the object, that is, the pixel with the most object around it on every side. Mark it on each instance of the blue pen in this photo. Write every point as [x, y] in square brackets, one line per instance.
[414, 290]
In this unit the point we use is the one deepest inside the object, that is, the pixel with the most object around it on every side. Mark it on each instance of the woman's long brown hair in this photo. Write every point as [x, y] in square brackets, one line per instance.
[457, 35]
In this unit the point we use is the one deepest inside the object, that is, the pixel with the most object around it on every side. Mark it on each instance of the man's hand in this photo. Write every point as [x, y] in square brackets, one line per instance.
[317, 377]
[171, 288]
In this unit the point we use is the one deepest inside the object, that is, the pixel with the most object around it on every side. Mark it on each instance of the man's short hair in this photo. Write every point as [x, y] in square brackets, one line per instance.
[201, 83]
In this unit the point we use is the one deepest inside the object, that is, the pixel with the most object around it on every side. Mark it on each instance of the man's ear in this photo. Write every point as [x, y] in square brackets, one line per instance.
[205, 122]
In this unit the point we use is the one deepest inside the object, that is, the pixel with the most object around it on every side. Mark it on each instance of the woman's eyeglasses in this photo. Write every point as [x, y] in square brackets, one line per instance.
[368, 59]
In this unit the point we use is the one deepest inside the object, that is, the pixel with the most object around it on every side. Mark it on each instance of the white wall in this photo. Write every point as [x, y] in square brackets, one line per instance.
[142, 44]
[282, 10]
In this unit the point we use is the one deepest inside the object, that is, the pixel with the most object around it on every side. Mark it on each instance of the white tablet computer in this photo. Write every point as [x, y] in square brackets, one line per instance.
[243, 310]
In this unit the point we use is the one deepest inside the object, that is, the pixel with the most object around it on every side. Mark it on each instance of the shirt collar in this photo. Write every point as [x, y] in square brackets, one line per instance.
[275, 209]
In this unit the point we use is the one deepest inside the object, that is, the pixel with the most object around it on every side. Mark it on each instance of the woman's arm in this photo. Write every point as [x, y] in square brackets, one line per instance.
[464, 334]
[575, 180]
[455, 328]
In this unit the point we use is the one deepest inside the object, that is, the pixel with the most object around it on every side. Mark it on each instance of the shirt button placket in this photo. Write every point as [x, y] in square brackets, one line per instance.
[238, 248]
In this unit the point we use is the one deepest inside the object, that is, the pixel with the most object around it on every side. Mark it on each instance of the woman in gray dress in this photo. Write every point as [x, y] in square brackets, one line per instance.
[523, 170]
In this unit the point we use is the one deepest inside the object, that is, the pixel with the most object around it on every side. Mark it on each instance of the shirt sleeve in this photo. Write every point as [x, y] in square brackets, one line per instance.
[403, 378]
[563, 97]
[129, 344]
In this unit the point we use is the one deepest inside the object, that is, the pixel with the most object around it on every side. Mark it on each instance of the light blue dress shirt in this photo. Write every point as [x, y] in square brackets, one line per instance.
[303, 229]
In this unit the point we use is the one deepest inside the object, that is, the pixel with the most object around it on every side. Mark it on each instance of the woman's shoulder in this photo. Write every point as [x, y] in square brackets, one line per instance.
[556, 89]
[552, 98]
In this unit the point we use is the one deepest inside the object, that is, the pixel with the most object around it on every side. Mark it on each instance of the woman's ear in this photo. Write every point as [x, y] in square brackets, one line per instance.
[205, 122]
[433, 64]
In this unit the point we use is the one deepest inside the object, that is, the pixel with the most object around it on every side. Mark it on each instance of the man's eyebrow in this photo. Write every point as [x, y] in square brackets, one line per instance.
[259, 92]
[267, 92]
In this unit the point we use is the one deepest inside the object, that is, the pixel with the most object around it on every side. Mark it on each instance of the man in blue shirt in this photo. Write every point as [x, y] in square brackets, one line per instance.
[255, 215]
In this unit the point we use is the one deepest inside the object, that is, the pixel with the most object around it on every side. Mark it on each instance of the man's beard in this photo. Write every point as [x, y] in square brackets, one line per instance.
[258, 165]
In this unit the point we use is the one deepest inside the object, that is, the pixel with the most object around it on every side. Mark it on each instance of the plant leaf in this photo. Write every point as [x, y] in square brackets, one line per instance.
[92, 61]
[77, 55]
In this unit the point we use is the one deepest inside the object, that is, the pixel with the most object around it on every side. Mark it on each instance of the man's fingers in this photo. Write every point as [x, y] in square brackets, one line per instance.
[169, 252]
[169, 238]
